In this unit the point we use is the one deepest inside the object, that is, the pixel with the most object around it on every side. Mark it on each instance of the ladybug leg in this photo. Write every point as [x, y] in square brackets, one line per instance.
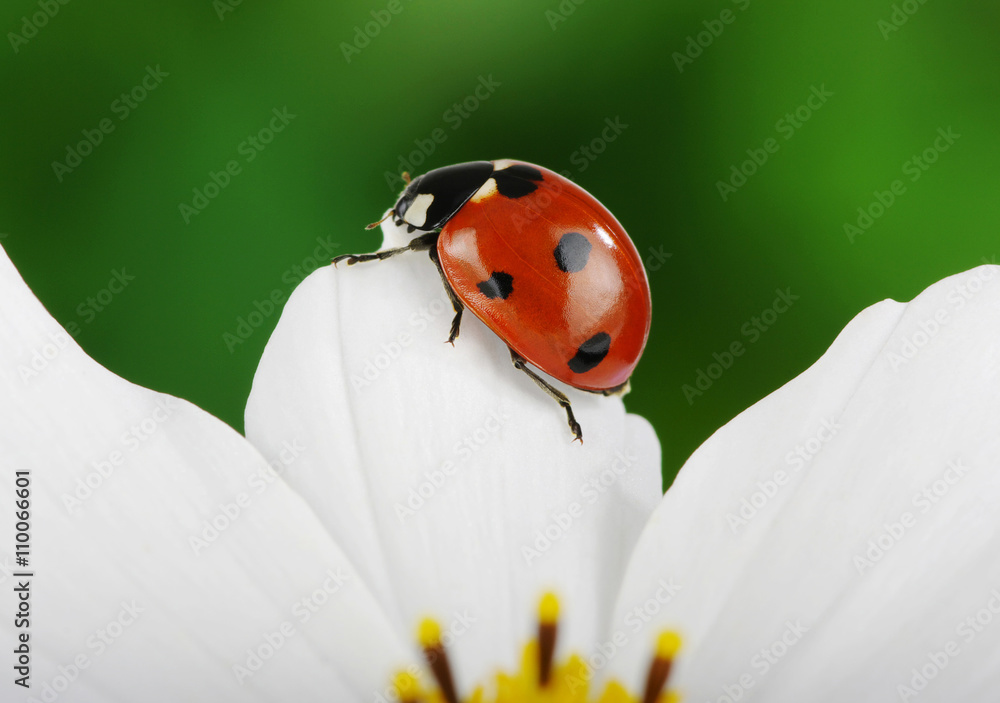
[621, 390]
[456, 323]
[426, 241]
[558, 396]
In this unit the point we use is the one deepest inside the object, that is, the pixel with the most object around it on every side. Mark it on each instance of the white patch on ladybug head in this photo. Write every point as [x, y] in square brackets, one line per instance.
[416, 214]
[501, 164]
[485, 190]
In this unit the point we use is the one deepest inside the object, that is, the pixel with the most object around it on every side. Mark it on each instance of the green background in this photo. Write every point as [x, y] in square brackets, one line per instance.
[562, 70]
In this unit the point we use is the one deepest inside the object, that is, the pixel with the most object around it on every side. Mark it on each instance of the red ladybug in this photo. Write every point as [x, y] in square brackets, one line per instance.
[541, 262]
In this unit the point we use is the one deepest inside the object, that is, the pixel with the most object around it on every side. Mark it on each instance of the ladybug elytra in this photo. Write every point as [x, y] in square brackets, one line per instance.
[541, 262]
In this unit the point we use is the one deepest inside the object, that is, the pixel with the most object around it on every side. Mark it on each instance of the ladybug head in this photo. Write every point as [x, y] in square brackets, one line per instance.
[417, 218]
[430, 200]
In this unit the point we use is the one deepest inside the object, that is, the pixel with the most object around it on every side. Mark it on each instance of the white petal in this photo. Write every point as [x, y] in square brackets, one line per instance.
[905, 392]
[122, 479]
[437, 466]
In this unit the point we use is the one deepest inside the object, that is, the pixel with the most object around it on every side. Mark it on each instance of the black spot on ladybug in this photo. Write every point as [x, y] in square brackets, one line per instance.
[517, 180]
[410, 229]
[572, 252]
[591, 353]
[498, 285]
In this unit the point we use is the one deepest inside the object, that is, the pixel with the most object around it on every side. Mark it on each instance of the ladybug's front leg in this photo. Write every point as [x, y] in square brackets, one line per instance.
[456, 323]
[422, 242]
[560, 397]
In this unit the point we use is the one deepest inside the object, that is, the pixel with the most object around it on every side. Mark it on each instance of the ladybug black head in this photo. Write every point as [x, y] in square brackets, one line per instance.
[433, 198]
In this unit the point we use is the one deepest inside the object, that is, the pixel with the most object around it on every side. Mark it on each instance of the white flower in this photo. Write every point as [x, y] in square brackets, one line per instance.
[828, 544]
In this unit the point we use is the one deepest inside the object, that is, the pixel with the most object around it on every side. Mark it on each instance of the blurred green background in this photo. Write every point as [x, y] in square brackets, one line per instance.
[849, 92]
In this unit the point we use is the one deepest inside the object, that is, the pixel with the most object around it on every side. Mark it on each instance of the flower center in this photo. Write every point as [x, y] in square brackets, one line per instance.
[540, 678]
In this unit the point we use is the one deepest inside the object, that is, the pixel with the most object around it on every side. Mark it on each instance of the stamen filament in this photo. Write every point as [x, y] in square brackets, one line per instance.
[548, 628]
[659, 669]
[429, 636]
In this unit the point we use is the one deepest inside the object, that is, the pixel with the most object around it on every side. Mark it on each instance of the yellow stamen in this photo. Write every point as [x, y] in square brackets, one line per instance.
[429, 633]
[668, 644]
[548, 608]
[540, 678]
[615, 693]
[406, 685]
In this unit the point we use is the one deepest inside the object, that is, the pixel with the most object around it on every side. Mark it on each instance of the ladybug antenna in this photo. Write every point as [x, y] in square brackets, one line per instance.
[373, 225]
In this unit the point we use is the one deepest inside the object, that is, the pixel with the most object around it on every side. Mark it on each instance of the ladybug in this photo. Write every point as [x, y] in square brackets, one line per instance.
[540, 261]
